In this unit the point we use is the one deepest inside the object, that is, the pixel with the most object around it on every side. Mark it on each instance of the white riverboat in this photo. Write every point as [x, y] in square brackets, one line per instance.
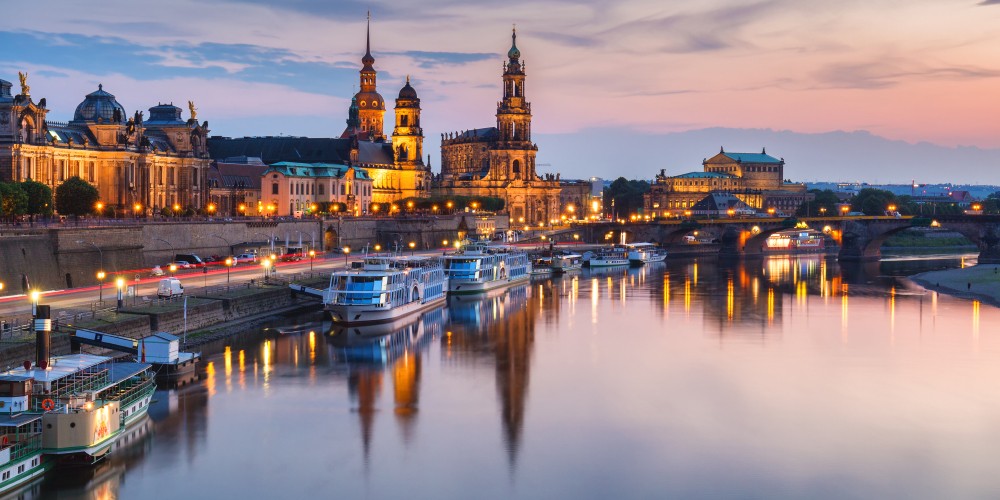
[609, 257]
[385, 288]
[542, 267]
[479, 267]
[21, 458]
[643, 253]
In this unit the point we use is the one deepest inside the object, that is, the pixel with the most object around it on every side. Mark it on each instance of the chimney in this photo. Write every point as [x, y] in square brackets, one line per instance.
[43, 336]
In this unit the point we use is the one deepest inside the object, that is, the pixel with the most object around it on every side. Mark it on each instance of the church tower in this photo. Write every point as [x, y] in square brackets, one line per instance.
[371, 106]
[408, 144]
[515, 155]
[408, 136]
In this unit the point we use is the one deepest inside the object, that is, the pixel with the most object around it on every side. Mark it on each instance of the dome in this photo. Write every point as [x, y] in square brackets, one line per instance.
[513, 53]
[407, 92]
[370, 100]
[99, 105]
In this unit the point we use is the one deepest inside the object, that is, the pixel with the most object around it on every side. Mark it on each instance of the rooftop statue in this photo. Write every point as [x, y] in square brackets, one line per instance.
[194, 111]
[25, 89]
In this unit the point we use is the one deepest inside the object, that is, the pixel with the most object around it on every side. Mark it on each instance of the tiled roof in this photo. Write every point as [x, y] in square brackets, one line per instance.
[752, 157]
[704, 175]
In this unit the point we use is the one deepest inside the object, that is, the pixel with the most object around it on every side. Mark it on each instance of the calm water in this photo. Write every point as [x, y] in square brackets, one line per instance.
[791, 378]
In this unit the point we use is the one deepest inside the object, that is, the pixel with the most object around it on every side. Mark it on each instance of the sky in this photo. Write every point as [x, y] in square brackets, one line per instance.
[918, 71]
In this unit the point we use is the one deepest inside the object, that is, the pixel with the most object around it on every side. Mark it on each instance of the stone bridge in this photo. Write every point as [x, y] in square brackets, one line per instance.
[859, 238]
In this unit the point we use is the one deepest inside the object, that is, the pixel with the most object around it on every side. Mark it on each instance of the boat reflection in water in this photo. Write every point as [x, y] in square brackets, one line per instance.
[502, 326]
[369, 351]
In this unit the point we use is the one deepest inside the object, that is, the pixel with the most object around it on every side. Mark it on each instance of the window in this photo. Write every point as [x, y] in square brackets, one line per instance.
[274, 188]
[321, 189]
[404, 121]
[342, 190]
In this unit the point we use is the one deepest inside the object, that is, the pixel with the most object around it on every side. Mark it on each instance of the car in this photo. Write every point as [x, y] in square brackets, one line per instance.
[246, 257]
[180, 264]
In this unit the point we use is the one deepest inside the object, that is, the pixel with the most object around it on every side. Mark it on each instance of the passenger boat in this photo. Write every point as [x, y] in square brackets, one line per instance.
[608, 257]
[642, 253]
[383, 343]
[542, 266]
[567, 263]
[385, 288]
[84, 402]
[479, 267]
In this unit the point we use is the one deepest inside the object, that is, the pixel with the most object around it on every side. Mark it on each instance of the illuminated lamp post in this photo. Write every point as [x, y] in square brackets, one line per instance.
[242, 208]
[266, 264]
[312, 256]
[120, 284]
[731, 212]
[822, 211]
[100, 286]
[100, 209]
[173, 269]
[770, 211]
[137, 207]
[449, 205]
[378, 248]
[229, 266]
[347, 251]
[844, 209]
[413, 245]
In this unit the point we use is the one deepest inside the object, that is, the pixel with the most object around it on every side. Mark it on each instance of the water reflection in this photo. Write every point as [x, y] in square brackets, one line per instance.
[769, 369]
[500, 326]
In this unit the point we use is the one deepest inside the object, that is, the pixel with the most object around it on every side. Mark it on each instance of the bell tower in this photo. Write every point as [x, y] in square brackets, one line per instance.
[515, 155]
[371, 106]
[408, 136]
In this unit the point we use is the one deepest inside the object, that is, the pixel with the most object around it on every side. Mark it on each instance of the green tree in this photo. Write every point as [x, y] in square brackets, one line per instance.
[13, 200]
[873, 201]
[39, 198]
[624, 197]
[76, 197]
[824, 203]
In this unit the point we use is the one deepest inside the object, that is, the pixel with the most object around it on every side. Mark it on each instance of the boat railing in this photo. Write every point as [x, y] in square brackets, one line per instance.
[25, 447]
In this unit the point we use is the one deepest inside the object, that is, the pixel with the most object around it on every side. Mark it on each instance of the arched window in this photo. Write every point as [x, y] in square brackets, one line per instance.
[274, 188]
[516, 168]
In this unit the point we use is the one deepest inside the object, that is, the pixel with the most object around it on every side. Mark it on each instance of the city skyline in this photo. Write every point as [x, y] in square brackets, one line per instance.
[635, 67]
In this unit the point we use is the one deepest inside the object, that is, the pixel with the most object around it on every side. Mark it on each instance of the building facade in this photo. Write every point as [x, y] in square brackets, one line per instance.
[500, 161]
[395, 165]
[296, 189]
[756, 179]
[132, 162]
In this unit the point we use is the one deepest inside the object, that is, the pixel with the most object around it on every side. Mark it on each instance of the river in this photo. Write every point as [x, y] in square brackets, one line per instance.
[786, 378]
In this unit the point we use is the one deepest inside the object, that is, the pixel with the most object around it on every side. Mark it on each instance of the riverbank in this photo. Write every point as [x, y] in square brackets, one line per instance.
[981, 282]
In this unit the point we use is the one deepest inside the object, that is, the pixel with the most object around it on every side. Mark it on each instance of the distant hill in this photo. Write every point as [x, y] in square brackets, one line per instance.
[831, 156]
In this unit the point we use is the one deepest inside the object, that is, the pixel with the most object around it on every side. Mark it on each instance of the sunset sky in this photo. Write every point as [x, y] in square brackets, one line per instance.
[914, 70]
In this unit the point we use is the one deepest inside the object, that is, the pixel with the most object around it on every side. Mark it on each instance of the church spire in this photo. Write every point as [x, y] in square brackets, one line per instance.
[368, 60]
[513, 53]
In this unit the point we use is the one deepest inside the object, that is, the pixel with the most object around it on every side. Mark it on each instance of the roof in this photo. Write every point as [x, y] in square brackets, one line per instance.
[315, 170]
[482, 134]
[121, 370]
[720, 201]
[375, 153]
[278, 149]
[752, 157]
[61, 366]
[162, 336]
[704, 175]
[19, 419]
[236, 175]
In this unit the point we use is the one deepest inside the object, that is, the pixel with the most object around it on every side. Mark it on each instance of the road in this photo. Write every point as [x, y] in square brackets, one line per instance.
[194, 280]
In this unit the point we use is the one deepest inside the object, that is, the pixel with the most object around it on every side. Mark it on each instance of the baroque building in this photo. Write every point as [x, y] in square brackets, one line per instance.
[132, 162]
[500, 161]
[395, 165]
[756, 179]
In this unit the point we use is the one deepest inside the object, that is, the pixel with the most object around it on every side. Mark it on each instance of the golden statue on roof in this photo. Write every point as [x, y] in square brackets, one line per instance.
[194, 111]
[25, 89]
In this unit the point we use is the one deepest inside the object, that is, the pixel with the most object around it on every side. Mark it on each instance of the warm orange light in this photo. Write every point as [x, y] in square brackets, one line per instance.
[378, 247]
[211, 207]
[101, 275]
[242, 207]
[449, 204]
[347, 250]
[409, 204]
[137, 207]
[412, 245]
[434, 208]
[229, 261]
[374, 207]
[312, 253]
[176, 207]
[100, 206]
[173, 267]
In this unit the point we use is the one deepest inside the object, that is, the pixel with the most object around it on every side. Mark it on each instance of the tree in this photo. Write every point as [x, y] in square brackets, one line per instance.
[76, 197]
[873, 201]
[39, 198]
[625, 196]
[824, 203]
[13, 200]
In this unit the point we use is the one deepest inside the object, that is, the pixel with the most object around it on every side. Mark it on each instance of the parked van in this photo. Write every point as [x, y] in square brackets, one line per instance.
[192, 259]
[169, 287]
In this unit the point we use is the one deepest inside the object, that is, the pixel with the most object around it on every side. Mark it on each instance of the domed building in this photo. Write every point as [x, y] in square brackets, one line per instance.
[395, 166]
[137, 166]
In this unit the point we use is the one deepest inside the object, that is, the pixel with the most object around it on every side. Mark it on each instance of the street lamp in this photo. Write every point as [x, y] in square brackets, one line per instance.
[100, 286]
[844, 209]
[822, 211]
[378, 248]
[770, 211]
[347, 251]
[100, 209]
[229, 266]
[266, 264]
[120, 284]
[892, 209]
[173, 269]
[731, 212]
[312, 255]
[138, 208]
[35, 295]
[412, 246]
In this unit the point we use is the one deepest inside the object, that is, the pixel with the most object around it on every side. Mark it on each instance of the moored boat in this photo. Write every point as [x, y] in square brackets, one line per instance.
[385, 288]
[541, 266]
[643, 253]
[21, 458]
[608, 257]
[567, 263]
[479, 267]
